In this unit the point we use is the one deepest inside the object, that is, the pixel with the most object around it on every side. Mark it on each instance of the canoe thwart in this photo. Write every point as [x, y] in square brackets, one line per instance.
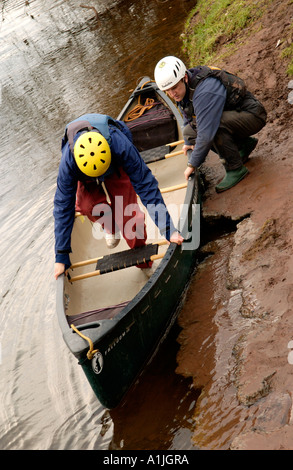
[122, 260]
[86, 262]
[174, 154]
[174, 144]
[174, 188]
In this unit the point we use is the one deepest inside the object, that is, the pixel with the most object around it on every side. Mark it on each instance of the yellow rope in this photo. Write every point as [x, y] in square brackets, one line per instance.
[139, 109]
[90, 354]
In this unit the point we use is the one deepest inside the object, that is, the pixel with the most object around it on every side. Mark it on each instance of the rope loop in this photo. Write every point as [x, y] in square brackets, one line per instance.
[139, 109]
[91, 352]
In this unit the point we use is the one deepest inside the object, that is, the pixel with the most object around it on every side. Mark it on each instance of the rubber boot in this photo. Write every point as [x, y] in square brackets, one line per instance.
[232, 178]
[247, 147]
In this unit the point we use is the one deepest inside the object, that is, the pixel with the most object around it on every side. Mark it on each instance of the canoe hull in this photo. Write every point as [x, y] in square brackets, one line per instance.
[124, 343]
[144, 323]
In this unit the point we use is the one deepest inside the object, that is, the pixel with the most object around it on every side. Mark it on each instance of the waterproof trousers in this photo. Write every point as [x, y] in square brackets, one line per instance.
[114, 205]
[234, 128]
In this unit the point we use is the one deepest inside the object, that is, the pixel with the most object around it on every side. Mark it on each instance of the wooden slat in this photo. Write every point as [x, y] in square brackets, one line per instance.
[174, 188]
[174, 154]
[173, 144]
[86, 262]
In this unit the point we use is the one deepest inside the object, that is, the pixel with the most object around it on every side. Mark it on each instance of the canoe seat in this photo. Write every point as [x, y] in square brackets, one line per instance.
[126, 259]
[155, 154]
[120, 260]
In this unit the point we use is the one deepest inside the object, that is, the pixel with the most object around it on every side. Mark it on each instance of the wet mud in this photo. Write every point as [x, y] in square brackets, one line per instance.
[238, 320]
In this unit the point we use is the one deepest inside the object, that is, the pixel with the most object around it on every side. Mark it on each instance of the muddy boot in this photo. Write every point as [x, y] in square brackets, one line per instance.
[231, 179]
[247, 147]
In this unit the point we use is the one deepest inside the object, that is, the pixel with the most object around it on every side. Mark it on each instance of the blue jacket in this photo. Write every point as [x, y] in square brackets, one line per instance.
[209, 93]
[208, 103]
[125, 155]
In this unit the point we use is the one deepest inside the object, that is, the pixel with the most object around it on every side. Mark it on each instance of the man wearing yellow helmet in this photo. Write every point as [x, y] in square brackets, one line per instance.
[99, 162]
[92, 154]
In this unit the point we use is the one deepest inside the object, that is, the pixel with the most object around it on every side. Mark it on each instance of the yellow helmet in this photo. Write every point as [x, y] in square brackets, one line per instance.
[92, 154]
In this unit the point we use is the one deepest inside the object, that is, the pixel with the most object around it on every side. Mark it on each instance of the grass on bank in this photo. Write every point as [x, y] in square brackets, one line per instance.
[217, 23]
[288, 52]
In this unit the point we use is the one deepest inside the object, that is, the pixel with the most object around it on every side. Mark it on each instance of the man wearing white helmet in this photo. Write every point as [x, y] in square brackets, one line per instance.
[220, 114]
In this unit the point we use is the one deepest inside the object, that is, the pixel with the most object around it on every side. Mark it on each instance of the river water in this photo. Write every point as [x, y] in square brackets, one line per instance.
[58, 61]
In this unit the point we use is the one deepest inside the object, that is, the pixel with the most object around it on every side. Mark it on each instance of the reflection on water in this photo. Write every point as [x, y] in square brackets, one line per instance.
[58, 61]
[160, 416]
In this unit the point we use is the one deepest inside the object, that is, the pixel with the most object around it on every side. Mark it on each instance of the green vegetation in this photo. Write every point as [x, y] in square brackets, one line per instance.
[288, 53]
[214, 23]
[215, 28]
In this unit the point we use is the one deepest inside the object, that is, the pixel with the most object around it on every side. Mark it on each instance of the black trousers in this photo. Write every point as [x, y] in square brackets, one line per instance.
[234, 128]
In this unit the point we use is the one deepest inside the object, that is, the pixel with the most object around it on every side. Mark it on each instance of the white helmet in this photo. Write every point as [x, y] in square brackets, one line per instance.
[168, 72]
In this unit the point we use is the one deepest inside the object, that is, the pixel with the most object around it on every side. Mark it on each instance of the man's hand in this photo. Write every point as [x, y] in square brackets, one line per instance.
[176, 238]
[185, 148]
[59, 269]
[189, 170]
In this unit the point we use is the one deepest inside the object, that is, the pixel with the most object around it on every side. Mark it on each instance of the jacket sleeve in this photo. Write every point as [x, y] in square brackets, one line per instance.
[64, 206]
[143, 181]
[208, 103]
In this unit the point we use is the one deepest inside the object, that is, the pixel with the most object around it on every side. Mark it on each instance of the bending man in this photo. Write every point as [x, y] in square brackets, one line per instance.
[220, 114]
[99, 162]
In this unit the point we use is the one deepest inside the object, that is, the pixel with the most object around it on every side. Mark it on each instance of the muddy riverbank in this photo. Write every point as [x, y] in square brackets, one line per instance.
[238, 318]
